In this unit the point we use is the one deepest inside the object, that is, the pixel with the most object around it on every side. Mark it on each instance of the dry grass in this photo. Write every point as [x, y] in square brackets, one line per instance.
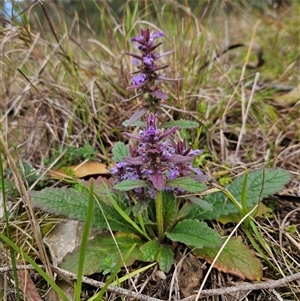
[63, 84]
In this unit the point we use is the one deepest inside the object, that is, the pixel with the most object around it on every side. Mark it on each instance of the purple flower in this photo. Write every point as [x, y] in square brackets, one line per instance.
[157, 158]
[148, 60]
[145, 81]
[138, 81]
[174, 173]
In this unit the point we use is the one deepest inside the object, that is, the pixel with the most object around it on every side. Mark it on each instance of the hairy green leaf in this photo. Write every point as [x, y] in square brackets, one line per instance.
[236, 258]
[150, 250]
[140, 207]
[194, 233]
[260, 184]
[73, 204]
[236, 217]
[119, 151]
[154, 251]
[130, 184]
[169, 209]
[165, 258]
[99, 247]
[185, 210]
[201, 203]
[187, 183]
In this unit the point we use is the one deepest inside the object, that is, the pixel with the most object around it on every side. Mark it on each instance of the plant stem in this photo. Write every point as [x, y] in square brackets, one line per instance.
[159, 216]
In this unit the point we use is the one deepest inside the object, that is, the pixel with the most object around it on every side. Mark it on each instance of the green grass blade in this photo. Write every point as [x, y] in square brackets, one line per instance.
[12, 253]
[244, 200]
[257, 247]
[98, 296]
[133, 273]
[84, 241]
[35, 265]
[232, 199]
[125, 216]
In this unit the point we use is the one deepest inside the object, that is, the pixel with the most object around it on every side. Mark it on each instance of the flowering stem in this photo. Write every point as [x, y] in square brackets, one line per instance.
[159, 216]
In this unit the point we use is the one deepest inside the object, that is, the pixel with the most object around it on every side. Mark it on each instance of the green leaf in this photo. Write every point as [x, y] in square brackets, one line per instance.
[169, 209]
[107, 264]
[194, 233]
[154, 251]
[150, 250]
[185, 210]
[73, 204]
[98, 250]
[203, 204]
[187, 183]
[236, 258]
[115, 220]
[62, 201]
[165, 258]
[119, 151]
[130, 184]
[140, 207]
[260, 184]
[183, 124]
[261, 210]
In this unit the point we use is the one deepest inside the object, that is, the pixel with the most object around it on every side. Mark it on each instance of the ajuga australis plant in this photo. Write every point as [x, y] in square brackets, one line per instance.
[154, 206]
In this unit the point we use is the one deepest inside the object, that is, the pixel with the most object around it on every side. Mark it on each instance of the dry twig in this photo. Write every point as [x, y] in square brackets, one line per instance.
[209, 292]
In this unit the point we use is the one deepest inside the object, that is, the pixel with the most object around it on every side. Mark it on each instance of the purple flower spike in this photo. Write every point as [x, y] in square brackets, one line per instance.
[146, 38]
[157, 159]
[149, 79]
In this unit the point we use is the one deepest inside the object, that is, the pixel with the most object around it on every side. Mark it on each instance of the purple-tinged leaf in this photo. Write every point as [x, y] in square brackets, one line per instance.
[160, 94]
[136, 115]
[158, 181]
[236, 258]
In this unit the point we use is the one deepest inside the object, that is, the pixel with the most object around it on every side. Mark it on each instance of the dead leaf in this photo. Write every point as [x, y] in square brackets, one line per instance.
[99, 184]
[190, 275]
[27, 286]
[61, 240]
[64, 238]
[79, 171]
[288, 98]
